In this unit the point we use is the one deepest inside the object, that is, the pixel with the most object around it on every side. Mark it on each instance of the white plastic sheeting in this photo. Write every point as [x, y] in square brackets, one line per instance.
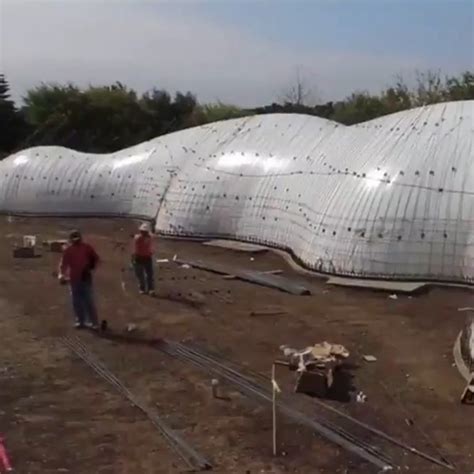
[389, 198]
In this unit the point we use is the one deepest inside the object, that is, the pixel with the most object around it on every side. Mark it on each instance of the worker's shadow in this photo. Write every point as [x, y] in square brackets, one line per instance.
[129, 338]
[343, 385]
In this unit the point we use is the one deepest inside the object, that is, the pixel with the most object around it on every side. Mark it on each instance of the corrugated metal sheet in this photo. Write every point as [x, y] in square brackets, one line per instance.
[389, 198]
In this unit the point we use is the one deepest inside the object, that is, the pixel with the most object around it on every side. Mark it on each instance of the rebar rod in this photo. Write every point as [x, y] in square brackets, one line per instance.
[180, 351]
[187, 453]
[113, 381]
[241, 380]
[171, 437]
[167, 432]
[441, 462]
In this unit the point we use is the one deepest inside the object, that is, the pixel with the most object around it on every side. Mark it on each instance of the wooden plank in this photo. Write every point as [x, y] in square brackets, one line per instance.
[268, 280]
[269, 272]
[397, 286]
[237, 246]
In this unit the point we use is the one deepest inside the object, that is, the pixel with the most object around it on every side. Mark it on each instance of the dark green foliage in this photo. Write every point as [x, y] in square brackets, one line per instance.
[109, 118]
[12, 123]
[101, 119]
[219, 111]
[324, 110]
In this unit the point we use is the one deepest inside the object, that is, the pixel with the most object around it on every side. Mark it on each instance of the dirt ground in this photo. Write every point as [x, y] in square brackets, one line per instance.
[57, 415]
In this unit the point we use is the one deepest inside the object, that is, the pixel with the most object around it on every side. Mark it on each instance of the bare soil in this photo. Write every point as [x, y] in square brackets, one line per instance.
[57, 415]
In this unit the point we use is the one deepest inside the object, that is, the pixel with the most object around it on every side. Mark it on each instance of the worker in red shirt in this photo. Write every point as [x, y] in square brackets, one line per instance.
[142, 259]
[77, 264]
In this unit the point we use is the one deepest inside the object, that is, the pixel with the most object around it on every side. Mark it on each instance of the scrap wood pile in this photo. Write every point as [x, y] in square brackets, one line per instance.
[316, 366]
[319, 355]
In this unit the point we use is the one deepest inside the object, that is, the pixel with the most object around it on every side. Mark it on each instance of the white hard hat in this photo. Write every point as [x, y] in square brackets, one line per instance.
[144, 227]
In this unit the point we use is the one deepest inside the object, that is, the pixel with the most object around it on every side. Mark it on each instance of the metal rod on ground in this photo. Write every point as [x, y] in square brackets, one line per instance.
[441, 462]
[185, 451]
[344, 440]
[249, 388]
[258, 391]
[274, 390]
[109, 377]
[193, 459]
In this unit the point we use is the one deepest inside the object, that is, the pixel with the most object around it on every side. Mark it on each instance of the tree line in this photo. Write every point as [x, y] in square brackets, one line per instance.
[109, 118]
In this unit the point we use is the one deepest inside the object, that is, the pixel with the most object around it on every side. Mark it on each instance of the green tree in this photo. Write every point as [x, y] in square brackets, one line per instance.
[12, 124]
[99, 119]
[114, 118]
[109, 118]
[359, 107]
[397, 97]
[166, 114]
[460, 88]
[157, 105]
[105, 118]
[429, 88]
[219, 111]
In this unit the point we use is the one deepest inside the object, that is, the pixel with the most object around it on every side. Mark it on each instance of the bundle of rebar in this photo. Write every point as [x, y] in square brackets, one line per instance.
[187, 453]
[261, 393]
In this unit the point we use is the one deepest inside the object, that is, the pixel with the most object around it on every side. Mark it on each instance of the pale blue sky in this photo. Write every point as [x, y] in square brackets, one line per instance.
[431, 27]
[243, 51]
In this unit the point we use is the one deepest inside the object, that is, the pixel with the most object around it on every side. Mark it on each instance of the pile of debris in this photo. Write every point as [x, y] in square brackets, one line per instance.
[316, 366]
[318, 355]
[27, 249]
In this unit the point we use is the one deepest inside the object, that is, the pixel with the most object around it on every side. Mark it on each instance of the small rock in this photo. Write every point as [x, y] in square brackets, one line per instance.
[393, 297]
[131, 327]
[369, 358]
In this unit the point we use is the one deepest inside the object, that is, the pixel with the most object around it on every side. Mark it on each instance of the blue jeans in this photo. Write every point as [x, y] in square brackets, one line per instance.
[144, 272]
[83, 302]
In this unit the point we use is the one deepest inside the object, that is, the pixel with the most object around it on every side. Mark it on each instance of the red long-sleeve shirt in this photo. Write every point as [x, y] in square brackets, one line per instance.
[76, 260]
[142, 246]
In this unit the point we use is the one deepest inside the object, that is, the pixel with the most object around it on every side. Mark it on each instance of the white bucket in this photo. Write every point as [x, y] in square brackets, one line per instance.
[29, 240]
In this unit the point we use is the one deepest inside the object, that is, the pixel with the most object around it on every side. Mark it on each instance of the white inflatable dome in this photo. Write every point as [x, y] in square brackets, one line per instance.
[391, 198]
